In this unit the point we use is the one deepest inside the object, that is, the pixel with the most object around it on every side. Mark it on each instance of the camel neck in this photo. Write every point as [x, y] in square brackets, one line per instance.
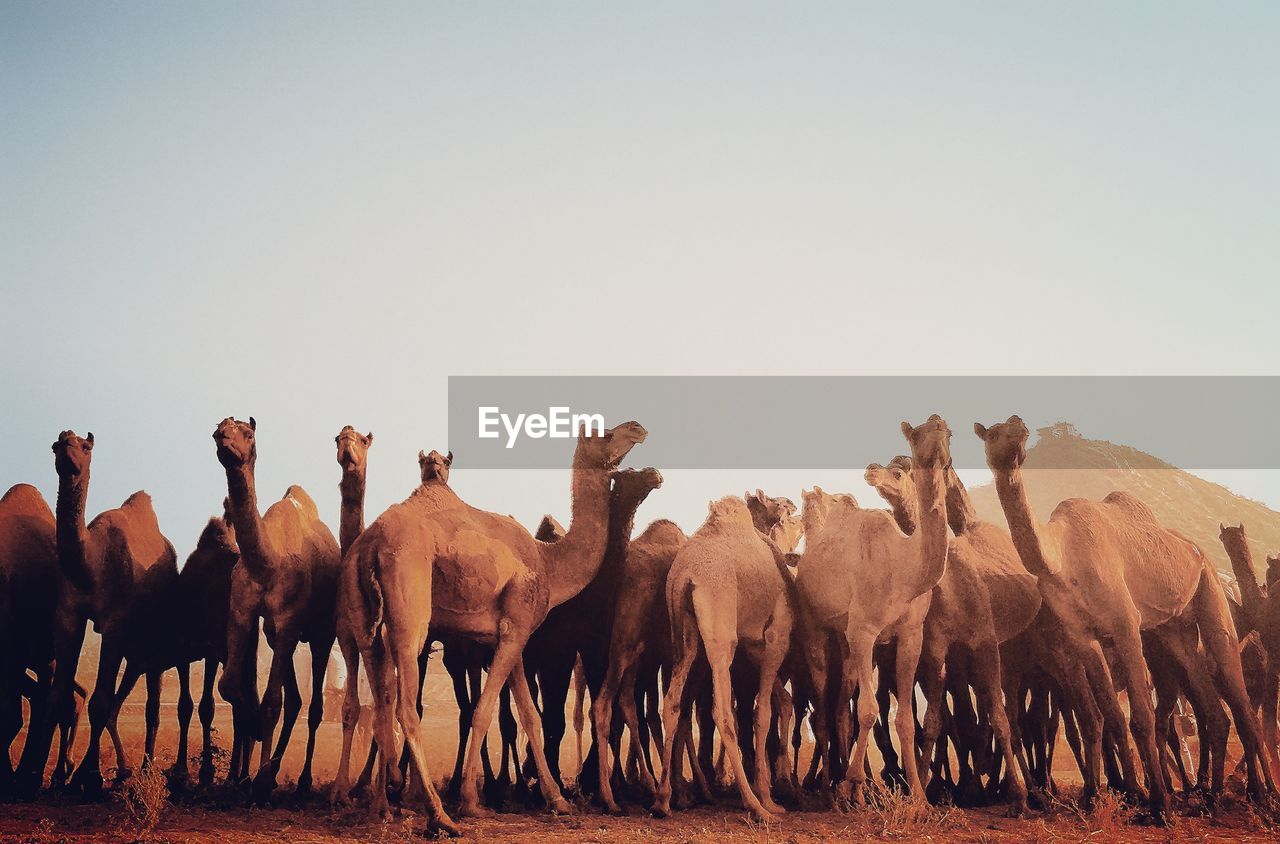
[932, 520]
[72, 535]
[247, 522]
[906, 512]
[960, 512]
[1022, 521]
[622, 521]
[351, 518]
[573, 562]
[1251, 598]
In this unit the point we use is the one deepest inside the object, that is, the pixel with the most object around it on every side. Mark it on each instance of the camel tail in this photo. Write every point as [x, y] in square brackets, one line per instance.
[369, 571]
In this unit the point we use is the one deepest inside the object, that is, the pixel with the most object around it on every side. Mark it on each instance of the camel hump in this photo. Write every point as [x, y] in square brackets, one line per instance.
[662, 530]
[216, 536]
[304, 501]
[25, 500]
[1131, 504]
[139, 503]
[472, 572]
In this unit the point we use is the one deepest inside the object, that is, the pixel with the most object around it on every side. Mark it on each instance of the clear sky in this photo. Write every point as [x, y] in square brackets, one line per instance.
[314, 214]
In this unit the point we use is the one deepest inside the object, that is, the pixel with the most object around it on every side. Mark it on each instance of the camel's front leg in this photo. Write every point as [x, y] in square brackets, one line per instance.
[533, 729]
[264, 782]
[320, 651]
[206, 721]
[350, 720]
[179, 773]
[777, 641]
[89, 775]
[908, 658]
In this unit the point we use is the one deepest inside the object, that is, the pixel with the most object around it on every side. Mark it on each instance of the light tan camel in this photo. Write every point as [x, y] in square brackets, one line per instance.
[640, 626]
[353, 456]
[1260, 607]
[863, 580]
[1109, 570]
[983, 599]
[727, 589]
[111, 571]
[434, 566]
[28, 596]
[287, 576]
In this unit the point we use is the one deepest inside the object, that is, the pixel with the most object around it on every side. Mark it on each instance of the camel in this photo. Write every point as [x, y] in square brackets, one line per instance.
[434, 566]
[113, 572]
[287, 577]
[864, 580]
[641, 628]
[1260, 609]
[581, 626]
[984, 598]
[727, 587]
[1109, 570]
[28, 596]
[204, 588]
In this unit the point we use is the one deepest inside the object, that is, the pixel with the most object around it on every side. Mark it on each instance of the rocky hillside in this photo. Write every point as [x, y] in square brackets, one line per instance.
[1180, 499]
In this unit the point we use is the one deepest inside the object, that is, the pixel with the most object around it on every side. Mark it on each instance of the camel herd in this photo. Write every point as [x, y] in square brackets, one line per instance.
[990, 640]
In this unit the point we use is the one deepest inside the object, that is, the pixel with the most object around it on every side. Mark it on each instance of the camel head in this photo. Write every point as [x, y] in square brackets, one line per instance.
[930, 442]
[549, 530]
[1273, 573]
[893, 482]
[352, 448]
[606, 451]
[1006, 442]
[434, 466]
[72, 454]
[236, 446]
[633, 485]
[787, 533]
[768, 512]
[818, 504]
[729, 509]
[1234, 540]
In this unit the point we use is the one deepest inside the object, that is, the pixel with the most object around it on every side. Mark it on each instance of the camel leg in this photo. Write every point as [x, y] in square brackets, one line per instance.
[686, 646]
[89, 775]
[554, 681]
[1115, 728]
[579, 710]
[1142, 715]
[858, 666]
[932, 668]
[350, 720]
[273, 698]
[719, 644]
[986, 678]
[1271, 684]
[206, 721]
[907, 661]
[59, 708]
[620, 665]
[642, 730]
[239, 687]
[178, 774]
[315, 709]
[154, 683]
[519, 684]
[385, 693]
[777, 641]
[815, 653]
[127, 683]
[460, 673]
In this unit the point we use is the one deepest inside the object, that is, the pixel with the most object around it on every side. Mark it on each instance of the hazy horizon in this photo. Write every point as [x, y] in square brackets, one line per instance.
[315, 213]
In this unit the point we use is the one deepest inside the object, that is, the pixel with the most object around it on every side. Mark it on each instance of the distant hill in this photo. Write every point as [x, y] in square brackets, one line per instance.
[1180, 499]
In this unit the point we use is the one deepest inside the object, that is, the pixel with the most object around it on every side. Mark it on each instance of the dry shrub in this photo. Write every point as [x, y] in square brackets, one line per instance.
[146, 797]
[1110, 814]
[899, 816]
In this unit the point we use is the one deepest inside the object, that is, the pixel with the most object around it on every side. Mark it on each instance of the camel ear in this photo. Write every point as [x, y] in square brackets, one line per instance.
[449, 458]
[253, 424]
[907, 427]
[980, 430]
[89, 439]
[422, 456]
[368, 439]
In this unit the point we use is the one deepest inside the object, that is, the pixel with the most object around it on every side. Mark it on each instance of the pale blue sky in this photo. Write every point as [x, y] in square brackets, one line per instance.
[314, 214]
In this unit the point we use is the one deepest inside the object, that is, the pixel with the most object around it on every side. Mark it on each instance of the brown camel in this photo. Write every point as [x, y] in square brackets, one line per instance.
[353, 452]
[580, 627]
[1109, 570]
[487, 579]
[864, 580]
[983, 599]
[28, 596]
[113, 572]
[727, 588]
[641, 628]
[287, 577]
[1260, 610]
[204, 587]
